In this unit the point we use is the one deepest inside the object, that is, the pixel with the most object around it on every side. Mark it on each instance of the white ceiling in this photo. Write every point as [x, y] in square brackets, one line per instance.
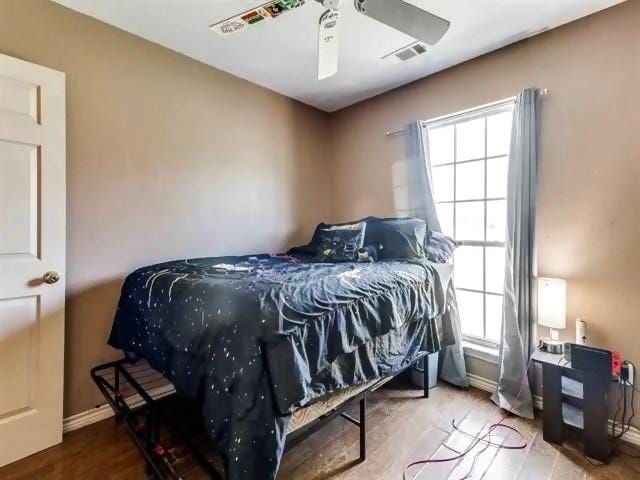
[281, 54]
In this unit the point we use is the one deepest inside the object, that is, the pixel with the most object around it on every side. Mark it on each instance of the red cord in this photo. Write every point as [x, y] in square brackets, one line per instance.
[478, 438]
[493, 444]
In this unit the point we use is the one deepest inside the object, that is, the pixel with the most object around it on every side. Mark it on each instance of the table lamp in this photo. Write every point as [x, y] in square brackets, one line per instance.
[552, 311]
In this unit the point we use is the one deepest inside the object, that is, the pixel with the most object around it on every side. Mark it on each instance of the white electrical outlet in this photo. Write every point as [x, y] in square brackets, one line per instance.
[631, 373]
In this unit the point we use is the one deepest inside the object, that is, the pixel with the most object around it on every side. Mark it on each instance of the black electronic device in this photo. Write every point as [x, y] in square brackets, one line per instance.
[595, 360]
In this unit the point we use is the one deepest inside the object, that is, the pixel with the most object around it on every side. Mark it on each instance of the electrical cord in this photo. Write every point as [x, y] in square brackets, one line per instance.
[501, 445]
[621, 397]
[633, 394]
[487, 441]
[475, 460]
[625, 428]
[478, 438]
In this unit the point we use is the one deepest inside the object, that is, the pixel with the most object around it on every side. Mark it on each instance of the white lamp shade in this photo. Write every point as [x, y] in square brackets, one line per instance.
[552, 303]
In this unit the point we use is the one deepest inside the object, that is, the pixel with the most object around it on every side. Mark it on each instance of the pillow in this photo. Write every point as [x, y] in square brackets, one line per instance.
[440, 247]
[312, 247]
[402, 238]
[340, 243]
[397, 238]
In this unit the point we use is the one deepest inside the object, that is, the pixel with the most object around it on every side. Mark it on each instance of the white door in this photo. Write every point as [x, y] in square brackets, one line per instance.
[32, 243]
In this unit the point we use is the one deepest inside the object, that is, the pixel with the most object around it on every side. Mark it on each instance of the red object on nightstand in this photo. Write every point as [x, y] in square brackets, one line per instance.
[616, 363]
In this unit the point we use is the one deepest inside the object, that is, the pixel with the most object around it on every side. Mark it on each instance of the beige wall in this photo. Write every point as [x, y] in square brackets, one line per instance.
[589, 187]
[167, 158]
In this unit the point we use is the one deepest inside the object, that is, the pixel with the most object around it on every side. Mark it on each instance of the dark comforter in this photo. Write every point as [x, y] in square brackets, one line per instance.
[257, 337]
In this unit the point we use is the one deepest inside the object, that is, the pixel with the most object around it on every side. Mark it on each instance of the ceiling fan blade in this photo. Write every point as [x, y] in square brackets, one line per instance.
[328, 44]
[406, 18]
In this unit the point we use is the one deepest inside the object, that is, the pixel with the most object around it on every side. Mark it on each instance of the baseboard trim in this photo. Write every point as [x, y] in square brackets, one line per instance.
[481, 383]
[84, 419]
[97, 414]
[103, 412]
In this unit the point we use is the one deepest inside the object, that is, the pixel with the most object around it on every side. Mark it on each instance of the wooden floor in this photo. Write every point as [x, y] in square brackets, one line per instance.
[402, 427]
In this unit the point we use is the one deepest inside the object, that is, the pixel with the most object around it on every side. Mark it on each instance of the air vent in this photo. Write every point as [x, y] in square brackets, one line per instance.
[419, 48]
[406, 53]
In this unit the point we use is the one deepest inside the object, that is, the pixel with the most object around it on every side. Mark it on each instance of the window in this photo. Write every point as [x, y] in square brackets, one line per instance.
[469, 158]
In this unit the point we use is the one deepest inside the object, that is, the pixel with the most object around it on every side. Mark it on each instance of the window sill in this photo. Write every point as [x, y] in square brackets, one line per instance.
[486, 354]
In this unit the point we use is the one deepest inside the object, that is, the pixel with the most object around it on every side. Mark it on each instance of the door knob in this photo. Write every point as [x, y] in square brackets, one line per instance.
[51, 277]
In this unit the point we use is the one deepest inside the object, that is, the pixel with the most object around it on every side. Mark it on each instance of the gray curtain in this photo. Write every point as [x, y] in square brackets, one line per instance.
[422, 205]
[513, 392]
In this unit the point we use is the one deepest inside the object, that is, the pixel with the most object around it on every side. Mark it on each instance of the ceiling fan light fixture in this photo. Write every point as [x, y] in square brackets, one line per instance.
[400, 15]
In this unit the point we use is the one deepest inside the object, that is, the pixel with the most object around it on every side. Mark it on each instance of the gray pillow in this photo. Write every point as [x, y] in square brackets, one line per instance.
[440, 247]
[341, 243]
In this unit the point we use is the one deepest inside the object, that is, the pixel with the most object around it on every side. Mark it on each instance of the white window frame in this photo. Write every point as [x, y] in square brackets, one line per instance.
[459, 117]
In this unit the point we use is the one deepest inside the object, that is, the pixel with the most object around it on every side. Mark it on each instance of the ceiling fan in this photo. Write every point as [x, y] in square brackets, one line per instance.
[398, 14]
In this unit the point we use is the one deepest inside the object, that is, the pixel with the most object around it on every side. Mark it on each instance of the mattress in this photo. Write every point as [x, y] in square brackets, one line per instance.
[258, 338]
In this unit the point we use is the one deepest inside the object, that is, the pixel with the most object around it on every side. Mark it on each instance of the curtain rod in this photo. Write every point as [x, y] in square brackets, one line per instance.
[542, 91]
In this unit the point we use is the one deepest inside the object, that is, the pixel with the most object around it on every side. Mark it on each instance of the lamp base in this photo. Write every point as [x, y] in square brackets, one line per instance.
[552, 346]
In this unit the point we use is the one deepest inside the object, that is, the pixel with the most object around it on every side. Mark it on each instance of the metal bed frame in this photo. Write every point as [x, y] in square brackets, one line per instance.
[145, 420]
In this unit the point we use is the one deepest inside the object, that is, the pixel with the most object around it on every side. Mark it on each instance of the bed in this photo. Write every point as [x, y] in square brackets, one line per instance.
[269, 343]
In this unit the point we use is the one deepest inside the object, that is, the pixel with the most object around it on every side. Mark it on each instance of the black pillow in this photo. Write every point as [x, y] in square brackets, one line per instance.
[440, 247]
[312, 247]
[340, 243]
[397, 238]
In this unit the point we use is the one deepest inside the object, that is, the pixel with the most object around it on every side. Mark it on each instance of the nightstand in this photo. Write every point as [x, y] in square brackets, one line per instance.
[577, 400]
